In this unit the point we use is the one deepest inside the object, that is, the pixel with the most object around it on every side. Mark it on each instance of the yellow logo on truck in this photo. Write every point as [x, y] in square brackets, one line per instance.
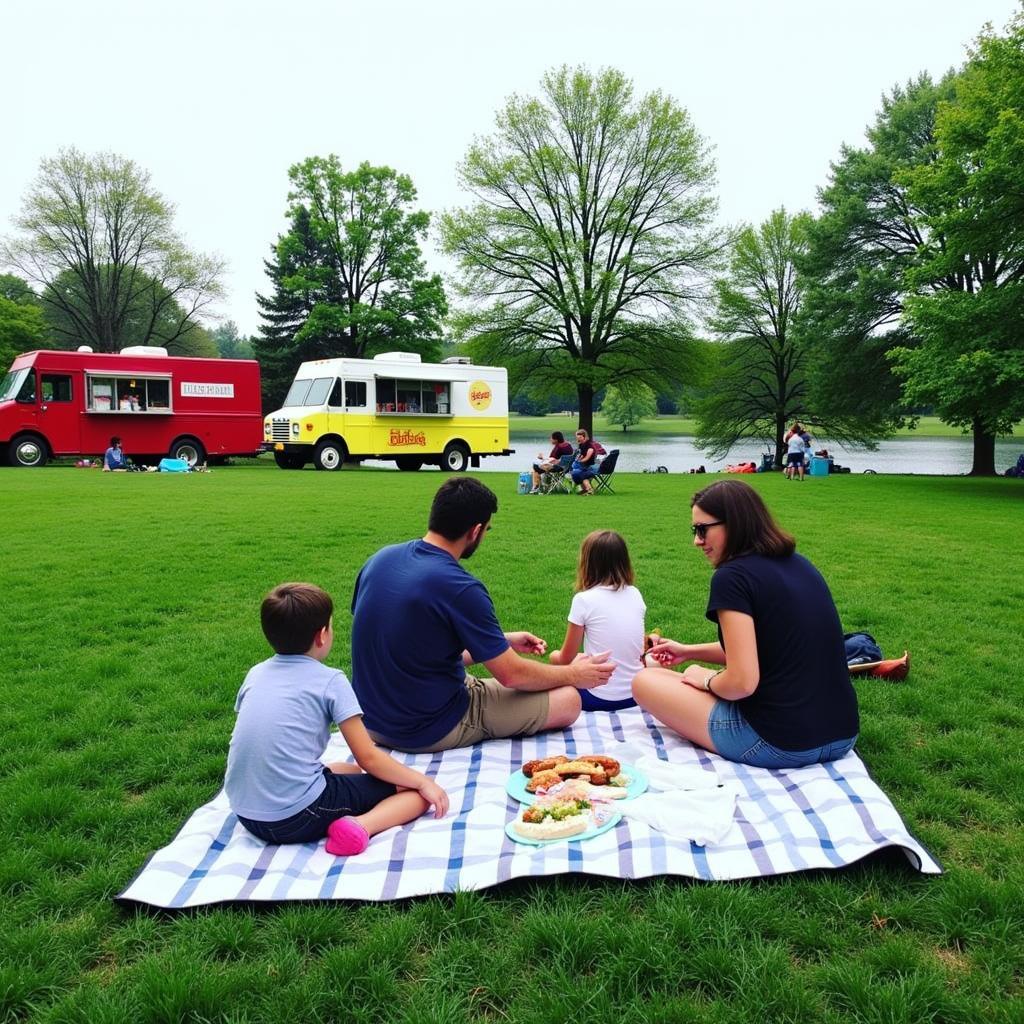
[480, 395]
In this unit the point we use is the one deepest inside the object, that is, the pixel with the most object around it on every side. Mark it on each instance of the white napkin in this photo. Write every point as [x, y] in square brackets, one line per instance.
[667, 776]
[703, 816]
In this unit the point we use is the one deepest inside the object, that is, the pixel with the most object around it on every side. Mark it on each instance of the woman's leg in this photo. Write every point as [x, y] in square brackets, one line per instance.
[663, 693]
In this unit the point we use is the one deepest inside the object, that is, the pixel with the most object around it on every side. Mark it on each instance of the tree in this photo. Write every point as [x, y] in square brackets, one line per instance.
[285, 311]
[968, 308]
[230, 344]
[860, 253]
[383, 299]
[760, 380]
[590, 236]
[22, 327]
[628, 404]
[163, 323]
[99, 240]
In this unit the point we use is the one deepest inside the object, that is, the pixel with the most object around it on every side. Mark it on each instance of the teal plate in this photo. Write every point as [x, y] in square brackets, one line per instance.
[589, 834]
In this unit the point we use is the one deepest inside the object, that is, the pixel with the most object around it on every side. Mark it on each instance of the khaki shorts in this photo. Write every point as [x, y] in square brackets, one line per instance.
[494, 712]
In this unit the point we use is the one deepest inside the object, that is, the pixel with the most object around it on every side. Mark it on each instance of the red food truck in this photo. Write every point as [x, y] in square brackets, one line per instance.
[72, 403]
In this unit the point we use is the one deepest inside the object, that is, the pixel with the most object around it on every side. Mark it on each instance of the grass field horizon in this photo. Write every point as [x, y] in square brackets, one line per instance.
[131, 615]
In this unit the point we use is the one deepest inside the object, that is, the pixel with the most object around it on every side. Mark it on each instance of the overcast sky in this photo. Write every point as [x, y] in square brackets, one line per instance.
[217, 98]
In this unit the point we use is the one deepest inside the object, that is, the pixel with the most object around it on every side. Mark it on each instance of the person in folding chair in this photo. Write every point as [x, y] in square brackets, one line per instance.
[603, 481]
[558, 479]
[560, 448]
[584, 465]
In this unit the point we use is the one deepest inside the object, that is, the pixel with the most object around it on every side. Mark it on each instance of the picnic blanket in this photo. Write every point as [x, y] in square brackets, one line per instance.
[825, 816]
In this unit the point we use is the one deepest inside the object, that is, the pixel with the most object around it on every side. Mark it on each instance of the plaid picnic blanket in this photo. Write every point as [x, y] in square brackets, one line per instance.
[825, 816]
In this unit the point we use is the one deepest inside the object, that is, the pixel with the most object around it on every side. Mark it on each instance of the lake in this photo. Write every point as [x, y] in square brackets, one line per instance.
[936, 456]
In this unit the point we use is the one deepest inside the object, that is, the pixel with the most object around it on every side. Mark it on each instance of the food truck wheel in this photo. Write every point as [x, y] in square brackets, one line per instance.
[28, 451]
[409, 463]
[329, 455]
[285, 460]
[455, 457]
[190, 450]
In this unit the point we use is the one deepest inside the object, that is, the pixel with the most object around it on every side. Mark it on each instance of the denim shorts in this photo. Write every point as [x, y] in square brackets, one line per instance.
[343, 795]
[735, 739]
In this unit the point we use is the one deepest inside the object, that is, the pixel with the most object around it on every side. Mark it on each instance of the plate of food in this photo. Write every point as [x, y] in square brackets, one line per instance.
[563, 816]
[606, 778]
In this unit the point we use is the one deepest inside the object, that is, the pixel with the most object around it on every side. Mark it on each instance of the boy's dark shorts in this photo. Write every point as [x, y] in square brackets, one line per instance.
[343, 795]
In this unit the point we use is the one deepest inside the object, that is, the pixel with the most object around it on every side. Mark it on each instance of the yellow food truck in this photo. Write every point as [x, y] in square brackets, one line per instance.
[393, 406]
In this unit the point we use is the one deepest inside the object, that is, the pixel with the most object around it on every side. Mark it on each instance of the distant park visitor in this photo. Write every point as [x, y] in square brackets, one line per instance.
[783, 697]
[114, 460]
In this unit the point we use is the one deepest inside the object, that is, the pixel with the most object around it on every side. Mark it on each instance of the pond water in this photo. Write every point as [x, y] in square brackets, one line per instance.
[926, 455]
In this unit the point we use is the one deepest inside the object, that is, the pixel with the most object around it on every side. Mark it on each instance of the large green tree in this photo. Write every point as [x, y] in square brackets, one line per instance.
[759, 368]
[99, 240]
[871, 234]
[590, 238]
[285, 310]
[625, 405]
[967, 310]
[383, 298]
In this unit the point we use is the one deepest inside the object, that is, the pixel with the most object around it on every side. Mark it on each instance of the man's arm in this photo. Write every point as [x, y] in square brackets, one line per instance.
[516, 673]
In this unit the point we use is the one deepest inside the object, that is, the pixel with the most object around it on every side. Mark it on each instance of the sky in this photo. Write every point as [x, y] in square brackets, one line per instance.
[216, 99]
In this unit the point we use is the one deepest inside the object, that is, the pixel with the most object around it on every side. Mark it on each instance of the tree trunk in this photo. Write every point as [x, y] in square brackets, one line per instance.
[984, 451]
[585, 394]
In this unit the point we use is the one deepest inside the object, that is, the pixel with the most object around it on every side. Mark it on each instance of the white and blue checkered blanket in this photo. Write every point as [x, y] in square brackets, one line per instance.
[825, 816]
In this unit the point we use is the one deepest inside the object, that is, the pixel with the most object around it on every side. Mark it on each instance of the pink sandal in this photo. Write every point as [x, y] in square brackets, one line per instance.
[346, 837]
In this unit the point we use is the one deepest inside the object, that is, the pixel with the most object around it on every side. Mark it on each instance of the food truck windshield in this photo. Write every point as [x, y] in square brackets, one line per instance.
[308, 392]
[12, 382]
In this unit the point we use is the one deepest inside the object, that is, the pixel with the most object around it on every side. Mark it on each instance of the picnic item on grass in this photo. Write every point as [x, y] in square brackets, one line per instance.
[704, 816]
[823, 816]
[889, 668]
[628, 782]
[564, 814]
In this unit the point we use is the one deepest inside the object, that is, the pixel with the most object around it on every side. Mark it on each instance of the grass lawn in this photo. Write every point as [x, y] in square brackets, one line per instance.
[683, 426]
[130, 614]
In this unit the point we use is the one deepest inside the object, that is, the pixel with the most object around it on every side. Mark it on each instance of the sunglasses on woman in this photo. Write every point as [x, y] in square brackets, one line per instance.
[701, 529]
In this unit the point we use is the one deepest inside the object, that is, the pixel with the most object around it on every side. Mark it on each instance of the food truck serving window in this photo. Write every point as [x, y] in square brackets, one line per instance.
[129, 393]
[395, 395]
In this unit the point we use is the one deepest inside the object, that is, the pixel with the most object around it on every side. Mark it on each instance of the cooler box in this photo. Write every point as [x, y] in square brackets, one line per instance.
[524, 484]
[819, 466]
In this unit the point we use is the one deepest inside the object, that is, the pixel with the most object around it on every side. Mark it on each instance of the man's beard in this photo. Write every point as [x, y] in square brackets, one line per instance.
[468, 552]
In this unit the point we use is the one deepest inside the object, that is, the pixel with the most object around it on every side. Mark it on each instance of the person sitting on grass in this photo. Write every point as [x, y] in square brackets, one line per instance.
[275, 781]
[114, 460]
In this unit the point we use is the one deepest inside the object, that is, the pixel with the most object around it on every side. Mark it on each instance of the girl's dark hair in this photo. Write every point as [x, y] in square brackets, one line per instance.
[604, 562]
[292, 614]
[557, 435]
[115, 441]
[749, 525]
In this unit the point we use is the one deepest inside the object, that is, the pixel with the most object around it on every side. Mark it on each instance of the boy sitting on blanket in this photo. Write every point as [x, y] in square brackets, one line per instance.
[275, 782]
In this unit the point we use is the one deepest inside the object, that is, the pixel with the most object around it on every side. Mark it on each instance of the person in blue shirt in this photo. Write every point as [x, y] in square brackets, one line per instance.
[782, 697]
[276, 783]
[113, 459]
[419, 619]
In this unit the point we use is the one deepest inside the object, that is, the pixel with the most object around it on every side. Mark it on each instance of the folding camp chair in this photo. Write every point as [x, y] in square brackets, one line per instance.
[602, 481]
[558, 480]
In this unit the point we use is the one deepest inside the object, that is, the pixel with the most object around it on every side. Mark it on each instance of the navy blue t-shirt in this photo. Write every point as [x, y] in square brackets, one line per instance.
[414, 611]
[804, 698]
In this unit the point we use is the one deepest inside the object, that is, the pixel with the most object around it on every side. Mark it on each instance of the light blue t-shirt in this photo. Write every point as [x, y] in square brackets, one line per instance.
[285, 709]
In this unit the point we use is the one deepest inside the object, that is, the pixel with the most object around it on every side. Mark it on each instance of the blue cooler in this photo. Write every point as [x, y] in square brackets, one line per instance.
[525, 483]
[819, 466]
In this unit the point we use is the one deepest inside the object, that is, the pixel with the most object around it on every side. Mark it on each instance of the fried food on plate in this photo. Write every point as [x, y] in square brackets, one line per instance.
[542, 764]
[543, 780]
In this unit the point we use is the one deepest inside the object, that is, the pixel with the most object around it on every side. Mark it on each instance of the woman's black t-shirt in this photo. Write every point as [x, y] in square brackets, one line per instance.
[804, 698]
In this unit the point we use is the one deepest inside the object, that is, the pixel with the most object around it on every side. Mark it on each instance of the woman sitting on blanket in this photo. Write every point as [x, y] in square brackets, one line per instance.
[782, 698]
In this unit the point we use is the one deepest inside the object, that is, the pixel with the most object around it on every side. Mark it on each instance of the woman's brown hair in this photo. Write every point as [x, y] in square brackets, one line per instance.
[749, 525]
[604, 562]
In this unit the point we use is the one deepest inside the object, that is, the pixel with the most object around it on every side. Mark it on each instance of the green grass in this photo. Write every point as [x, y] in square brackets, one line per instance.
[130, 615]
[683, 426]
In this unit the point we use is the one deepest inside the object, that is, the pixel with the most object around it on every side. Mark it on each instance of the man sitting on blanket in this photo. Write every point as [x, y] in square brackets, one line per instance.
[419, 619]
